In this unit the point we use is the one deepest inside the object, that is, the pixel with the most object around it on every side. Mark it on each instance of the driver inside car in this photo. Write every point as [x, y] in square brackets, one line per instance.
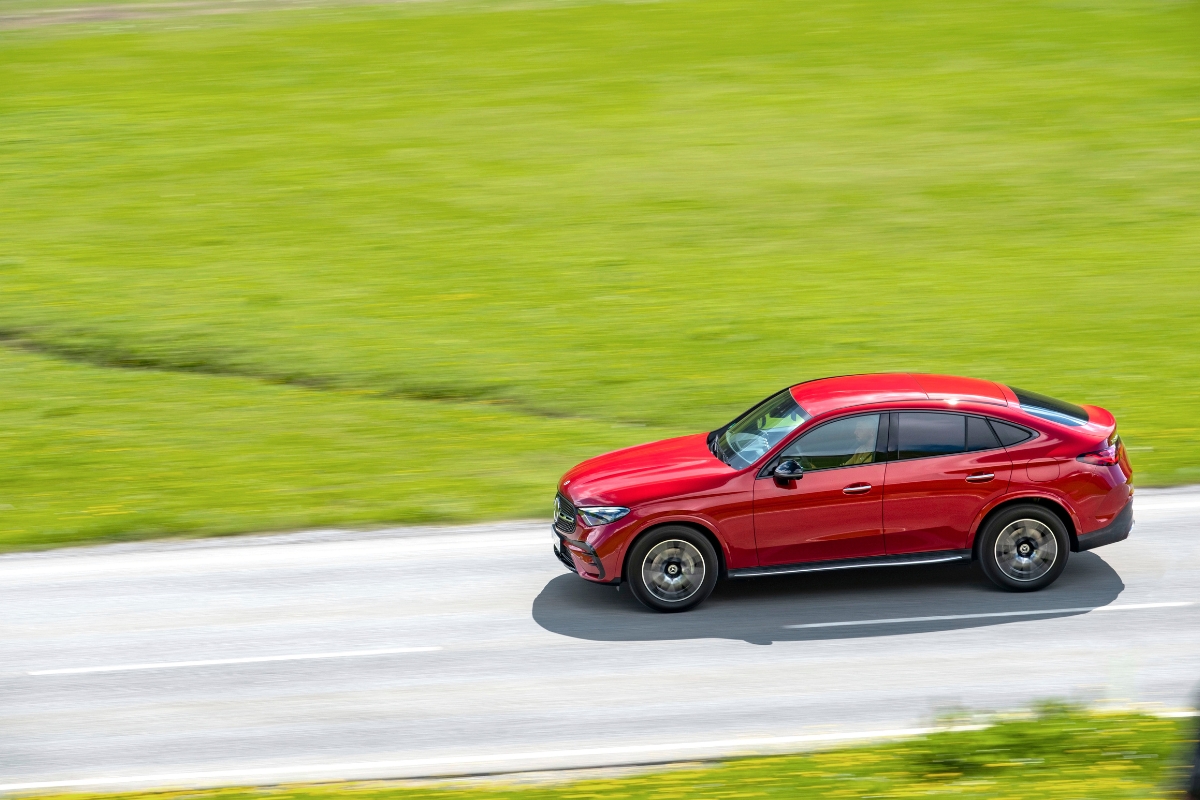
[864, 434]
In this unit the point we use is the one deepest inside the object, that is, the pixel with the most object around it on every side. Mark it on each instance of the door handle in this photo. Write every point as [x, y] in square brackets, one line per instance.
[857, 488]
[980, 477]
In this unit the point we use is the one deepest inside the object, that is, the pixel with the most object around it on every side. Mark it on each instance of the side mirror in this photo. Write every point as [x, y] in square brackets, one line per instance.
[789, 471]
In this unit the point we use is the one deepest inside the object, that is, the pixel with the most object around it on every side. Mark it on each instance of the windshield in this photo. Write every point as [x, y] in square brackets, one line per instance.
[750, 436]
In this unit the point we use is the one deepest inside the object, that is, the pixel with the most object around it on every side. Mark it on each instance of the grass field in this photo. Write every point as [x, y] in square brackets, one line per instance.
[1063, 754]
[366, 264]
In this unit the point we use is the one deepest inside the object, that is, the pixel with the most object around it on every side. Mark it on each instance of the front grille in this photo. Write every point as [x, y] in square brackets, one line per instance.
[564, 514]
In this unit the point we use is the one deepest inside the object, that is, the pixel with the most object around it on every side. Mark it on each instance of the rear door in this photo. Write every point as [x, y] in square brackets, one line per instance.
[943, 469]
[836, 509]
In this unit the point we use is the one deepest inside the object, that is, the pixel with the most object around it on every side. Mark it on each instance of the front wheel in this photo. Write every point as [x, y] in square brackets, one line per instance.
[672, 569]
[1024, 548]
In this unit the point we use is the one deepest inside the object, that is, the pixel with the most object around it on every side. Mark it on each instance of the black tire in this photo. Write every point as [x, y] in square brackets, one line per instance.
[1024, 548]
[672, 568]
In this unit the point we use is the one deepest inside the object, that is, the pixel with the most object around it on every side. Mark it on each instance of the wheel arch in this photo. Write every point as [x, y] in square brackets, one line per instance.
[1050, 504]
[699, 527]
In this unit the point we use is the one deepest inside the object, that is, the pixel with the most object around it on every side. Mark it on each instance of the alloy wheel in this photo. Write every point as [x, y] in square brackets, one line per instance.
[1026, 550]
[673, 570]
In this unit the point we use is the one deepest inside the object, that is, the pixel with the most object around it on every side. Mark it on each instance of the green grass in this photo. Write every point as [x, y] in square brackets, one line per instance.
[410, 262]
[1063, 754]
[97, 455]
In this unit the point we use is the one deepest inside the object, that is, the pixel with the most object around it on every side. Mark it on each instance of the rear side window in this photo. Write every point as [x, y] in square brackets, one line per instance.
[979, 435]
[1010, 434]
[930, 434]
[1055, 410]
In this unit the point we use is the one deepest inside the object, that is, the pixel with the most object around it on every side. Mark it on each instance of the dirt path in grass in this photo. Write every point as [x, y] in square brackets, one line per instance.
[128, 12]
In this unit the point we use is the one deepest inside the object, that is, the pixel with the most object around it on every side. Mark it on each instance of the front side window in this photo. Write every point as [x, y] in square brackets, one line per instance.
[924, 434]
[750, 436]
[842, 443]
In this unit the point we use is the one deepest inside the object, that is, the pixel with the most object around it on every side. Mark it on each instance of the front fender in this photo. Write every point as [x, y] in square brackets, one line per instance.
[657, 521]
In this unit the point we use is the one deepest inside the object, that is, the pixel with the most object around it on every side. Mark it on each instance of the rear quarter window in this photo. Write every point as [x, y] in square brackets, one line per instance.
[1010, 434]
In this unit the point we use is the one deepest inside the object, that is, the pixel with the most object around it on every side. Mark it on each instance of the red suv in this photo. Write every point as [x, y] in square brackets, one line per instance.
[852, 472]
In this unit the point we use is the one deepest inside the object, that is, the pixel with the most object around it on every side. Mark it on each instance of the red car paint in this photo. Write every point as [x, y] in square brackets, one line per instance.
[922, 505]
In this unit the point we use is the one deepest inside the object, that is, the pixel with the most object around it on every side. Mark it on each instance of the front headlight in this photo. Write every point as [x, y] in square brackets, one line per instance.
[601, 515]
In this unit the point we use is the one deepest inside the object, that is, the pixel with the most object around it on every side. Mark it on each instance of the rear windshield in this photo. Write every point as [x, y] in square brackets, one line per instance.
[1049, 408]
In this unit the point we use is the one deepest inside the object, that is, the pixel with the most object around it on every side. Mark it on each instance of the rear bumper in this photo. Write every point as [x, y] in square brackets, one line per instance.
[1115, 531]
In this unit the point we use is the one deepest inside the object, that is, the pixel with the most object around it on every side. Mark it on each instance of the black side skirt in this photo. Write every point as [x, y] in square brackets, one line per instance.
[906, 560]
[1115, 531]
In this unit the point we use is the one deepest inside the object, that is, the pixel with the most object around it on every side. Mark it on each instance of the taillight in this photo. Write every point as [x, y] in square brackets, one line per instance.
[1107, 456]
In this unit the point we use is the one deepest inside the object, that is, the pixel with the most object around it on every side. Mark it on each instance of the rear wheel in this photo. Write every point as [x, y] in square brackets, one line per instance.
[1024, 548]
[672, 569]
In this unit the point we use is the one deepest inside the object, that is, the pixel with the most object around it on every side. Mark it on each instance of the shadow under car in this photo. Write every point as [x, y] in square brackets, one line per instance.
[759, 610]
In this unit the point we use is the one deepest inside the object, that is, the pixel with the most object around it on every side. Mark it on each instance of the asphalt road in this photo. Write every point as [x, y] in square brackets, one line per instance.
[334, 655]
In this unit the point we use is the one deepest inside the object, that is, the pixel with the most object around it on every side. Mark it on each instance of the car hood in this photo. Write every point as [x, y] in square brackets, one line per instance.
[645, 473]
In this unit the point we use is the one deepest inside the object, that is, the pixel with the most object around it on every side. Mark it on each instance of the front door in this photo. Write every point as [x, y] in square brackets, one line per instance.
[947, 467]
[835, 510]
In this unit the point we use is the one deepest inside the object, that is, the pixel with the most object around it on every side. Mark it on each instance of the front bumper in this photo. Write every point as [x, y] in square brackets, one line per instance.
[560, 551]
[570, 551]
[1115, 531]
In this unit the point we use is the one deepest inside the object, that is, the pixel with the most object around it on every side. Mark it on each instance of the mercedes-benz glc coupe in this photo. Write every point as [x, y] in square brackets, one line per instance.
[848, 473]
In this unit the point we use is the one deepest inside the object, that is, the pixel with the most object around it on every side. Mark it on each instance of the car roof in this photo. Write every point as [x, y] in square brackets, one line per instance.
[828, 394]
